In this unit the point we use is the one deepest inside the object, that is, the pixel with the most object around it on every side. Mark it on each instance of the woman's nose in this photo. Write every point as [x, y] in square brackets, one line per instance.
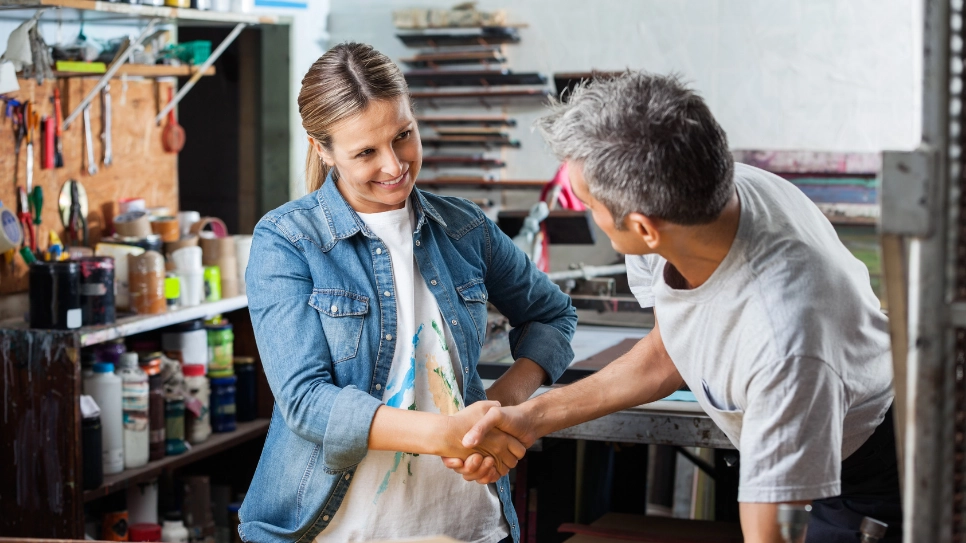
[391, 165]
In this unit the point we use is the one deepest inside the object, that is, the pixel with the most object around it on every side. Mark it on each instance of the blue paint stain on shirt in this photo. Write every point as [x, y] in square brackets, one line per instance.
[408, 378]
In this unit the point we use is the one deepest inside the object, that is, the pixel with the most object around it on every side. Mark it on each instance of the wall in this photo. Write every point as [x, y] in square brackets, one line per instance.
[798, 74]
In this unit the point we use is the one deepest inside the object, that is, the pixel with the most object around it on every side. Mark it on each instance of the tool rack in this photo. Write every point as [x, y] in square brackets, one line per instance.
[41, 491]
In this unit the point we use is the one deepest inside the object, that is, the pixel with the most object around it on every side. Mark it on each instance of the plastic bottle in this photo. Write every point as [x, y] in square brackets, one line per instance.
[197, 405]
[151, 365]
[105, 387]
[223, 404]
[173, 530]
[134, 395]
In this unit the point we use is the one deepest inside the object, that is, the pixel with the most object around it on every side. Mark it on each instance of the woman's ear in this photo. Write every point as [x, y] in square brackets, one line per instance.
[321, 151]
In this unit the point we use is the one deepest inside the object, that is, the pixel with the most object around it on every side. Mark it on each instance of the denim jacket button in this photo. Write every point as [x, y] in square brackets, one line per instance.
[387, 294]
[325, 518]
[388, 337]
[378, 250]
[433, 282]
[334, 309]
[417, 243]
[378, 386]
[347, 476]
[454, 322]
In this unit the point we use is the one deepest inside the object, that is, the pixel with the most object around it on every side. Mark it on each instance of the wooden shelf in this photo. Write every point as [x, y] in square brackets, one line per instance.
[110, 12]
[501, 96]
[144, 70]
[129, 326]
[245, 431]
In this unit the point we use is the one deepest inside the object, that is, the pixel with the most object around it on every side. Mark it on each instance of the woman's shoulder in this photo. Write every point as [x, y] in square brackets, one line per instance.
[298, 219]
[458, 214]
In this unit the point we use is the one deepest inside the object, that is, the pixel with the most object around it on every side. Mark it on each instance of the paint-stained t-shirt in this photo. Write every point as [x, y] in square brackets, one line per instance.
[396, 495]
[785, 346]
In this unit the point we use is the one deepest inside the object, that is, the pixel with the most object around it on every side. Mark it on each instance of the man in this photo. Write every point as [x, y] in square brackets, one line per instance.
[759, 309]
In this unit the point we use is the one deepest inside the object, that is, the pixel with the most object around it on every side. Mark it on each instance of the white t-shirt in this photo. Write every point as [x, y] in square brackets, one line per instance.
[395, 495]
[785, 346]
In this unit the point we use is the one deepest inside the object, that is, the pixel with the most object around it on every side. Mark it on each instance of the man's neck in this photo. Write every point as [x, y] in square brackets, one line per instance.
[697, 251]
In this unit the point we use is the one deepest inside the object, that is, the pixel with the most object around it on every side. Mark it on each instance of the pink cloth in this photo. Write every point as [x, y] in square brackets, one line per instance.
[567, 199]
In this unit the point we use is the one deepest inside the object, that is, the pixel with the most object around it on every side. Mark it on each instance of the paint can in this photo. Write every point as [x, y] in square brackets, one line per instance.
[120, 253]
[97, 290]
[221, 341]
[223, 404]
[146, 279]
[142, 505]
[212, 277]
[55, 296]
[245, 391]
[114, 523]
[174, 442]
[187, 342]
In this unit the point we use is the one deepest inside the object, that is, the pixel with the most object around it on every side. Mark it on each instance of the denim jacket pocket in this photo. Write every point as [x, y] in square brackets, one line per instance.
[474, 297]
[342, 314]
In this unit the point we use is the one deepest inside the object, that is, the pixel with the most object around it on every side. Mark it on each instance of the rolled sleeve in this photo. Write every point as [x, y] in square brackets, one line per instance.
[542, 316]
[295, 354]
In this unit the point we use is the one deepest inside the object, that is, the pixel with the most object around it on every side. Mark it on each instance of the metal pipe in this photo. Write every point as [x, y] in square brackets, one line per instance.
[588, 272]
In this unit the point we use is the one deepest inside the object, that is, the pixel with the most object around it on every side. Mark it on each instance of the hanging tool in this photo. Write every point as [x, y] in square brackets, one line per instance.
[19, 134]
[89, 142]
[36, 197]
[73, 212]
[173, 135]
[58, 135]
[23, 213]
[106, 129]
[47, 136]
[32, 120]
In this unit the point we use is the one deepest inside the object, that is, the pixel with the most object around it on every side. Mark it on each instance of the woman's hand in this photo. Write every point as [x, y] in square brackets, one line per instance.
[499, 450]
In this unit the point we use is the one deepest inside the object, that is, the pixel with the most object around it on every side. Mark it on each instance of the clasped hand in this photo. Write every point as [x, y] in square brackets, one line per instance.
[492, 441]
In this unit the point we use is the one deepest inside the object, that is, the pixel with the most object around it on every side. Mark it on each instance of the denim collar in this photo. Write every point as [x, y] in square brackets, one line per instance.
[344, 222]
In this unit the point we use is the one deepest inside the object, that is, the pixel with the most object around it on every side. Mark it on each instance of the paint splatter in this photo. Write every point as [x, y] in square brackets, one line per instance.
[385, 481]
[441, 386]
[441, 336]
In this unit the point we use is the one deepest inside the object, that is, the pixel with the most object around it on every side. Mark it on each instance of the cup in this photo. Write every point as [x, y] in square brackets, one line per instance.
[192, 287]
[187, 258]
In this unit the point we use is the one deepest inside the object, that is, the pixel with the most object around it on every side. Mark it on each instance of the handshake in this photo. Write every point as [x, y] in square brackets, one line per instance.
[485, 440]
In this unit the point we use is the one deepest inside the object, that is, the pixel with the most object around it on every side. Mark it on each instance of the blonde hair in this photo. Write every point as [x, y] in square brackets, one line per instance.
[340, 84]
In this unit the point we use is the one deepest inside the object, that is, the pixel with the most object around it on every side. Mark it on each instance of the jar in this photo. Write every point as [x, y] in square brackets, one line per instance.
[221, 341]
[245, 395]
[187, 342]
[146, 283]
[151, 364]
[174, 426]
[223, 404]
[197, 414]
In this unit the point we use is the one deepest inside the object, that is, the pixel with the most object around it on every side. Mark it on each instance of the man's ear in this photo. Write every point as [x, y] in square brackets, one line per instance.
[647, 228]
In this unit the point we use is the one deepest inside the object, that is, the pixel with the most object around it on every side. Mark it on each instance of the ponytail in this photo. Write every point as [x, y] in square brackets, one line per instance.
[315, 171]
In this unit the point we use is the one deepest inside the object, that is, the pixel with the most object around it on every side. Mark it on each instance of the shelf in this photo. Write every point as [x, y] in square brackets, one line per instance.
[466, 120]
[564, 227]
[480, 184]
[471, 78]
[111, 13]
[246, 431]
[455, 161]
[432, 60]
[447, 37]
[129, 326]
[483, 97]
[470, 141]
[144, 70]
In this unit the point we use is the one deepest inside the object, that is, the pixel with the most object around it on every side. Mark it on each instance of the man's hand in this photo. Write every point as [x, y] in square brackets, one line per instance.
[509, 420]
[501, 450]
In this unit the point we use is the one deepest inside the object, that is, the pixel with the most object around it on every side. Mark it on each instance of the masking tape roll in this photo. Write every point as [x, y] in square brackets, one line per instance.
[229, 277]
[167, 228]
[217, 225]
[11, 235]
[133, 224]
[216, 249]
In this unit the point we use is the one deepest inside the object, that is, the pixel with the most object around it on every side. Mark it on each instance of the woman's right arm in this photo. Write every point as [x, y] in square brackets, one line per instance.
[295, 354]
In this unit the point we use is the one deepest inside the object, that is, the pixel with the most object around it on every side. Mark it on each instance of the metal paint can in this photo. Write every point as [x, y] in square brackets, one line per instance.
[221, 341]
[97, 290]
[55, 298]
[212, 283]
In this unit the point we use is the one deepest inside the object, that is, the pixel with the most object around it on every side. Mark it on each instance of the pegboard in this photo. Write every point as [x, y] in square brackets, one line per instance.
[140, 166]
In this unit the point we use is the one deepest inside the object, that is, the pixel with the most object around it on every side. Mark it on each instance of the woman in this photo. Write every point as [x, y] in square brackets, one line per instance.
[368, 298]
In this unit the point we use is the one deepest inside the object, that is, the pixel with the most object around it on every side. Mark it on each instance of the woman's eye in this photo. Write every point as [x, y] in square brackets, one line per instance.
[367, 152]
[404, 135]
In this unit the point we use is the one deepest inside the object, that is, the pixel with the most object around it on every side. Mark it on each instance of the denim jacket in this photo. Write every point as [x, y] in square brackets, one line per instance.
[321, 297]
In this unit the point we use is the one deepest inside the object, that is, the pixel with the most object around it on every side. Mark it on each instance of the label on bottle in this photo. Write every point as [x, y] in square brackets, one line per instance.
[134, 402]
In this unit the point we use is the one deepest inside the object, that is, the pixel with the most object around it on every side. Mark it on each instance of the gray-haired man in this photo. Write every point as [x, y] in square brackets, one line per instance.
[763, 312]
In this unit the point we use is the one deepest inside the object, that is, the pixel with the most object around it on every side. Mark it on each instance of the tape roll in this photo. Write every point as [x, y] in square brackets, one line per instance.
[186, 219]
[133, 224]
[217, 226]
[11, 235]
[160, 211]
[214, 250]
[127, 205]
[167, 228]
[229, 276]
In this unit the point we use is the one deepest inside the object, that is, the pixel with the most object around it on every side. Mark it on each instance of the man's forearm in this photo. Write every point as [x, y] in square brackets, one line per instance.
[519, 383]
[645, 374]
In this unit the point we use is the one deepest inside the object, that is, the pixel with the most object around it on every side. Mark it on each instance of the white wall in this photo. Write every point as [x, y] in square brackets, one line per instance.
[829, 75]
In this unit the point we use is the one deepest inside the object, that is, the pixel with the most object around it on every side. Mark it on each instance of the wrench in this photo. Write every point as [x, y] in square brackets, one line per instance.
[106, 134]
[89, 140]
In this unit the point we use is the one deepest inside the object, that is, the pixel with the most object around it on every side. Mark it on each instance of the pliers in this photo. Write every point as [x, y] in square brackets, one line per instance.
[77, 222]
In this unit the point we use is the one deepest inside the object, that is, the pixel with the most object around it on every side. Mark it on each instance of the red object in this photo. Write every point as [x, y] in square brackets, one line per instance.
[144, 532]
[173, 135]
[193, 370]
[26, 220]
[567, 198]
[50, 131]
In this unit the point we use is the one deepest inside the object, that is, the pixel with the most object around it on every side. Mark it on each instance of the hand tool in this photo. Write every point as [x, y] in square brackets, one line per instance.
[37, 204]
[173, 135]
[89, 141]
[59, 144]
[23, 213]
[106, 130]
[31, 120]
[73, 212]
[19, 134]
[47, 150]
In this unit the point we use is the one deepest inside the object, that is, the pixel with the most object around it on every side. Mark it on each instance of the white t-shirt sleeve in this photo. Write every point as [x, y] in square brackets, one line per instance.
[791, 433]
[640, 277]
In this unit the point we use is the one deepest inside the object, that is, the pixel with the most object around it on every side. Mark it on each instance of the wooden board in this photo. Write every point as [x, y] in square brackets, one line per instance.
[141, 167]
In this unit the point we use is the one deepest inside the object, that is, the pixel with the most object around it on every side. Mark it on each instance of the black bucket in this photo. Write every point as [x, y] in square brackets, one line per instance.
[97, 290]
[55, 301]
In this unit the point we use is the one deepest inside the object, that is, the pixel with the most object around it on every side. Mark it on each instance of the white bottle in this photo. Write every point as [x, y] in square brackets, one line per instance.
[173, 530]
[134, 395]
[198, 403]
[105, 387]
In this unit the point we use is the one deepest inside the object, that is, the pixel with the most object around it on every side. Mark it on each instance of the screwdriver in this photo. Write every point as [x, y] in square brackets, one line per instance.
[37, 203]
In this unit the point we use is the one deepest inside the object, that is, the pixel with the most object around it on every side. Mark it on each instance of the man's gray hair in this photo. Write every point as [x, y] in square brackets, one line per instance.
[647, 144]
